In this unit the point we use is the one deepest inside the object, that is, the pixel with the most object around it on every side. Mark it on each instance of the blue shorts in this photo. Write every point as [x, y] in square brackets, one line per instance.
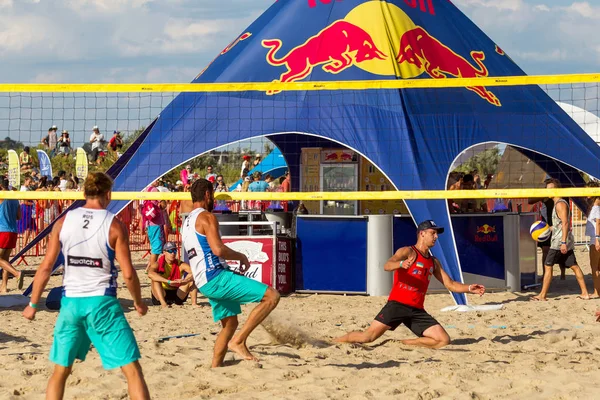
[97, 320]
[228, 291]
[155, 236]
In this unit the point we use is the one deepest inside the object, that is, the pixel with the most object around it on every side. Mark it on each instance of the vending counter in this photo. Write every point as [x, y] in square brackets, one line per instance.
[345, 254]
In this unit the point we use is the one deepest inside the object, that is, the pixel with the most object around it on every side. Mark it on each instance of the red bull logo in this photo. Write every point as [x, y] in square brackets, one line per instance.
[486, 233]
[359, 41]
[486, 229]
[419, 48]
[336, 48]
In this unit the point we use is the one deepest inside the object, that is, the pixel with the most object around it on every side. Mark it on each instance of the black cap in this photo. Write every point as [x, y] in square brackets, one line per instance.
[169, 246]
[429, 224]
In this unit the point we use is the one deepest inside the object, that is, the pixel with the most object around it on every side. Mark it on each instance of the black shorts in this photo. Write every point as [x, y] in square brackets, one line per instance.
[563, 260]
[415, 319]
[171, 298]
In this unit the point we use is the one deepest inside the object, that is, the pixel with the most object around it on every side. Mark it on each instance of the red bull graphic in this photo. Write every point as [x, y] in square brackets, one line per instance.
[337, 47]
[486, 233]
[419, 48]
[243, 36]
[500, 51]
[486, 229]
[424, 5]
[313, 3]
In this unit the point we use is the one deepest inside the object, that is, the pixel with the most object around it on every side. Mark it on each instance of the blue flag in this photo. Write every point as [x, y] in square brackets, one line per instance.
[45, 164]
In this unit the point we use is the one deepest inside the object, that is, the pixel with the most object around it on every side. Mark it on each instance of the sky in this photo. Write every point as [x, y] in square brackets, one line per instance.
[65, 41]
[139, 41]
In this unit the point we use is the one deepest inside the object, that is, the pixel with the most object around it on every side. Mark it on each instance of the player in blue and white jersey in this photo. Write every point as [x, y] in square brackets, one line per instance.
[225, 289]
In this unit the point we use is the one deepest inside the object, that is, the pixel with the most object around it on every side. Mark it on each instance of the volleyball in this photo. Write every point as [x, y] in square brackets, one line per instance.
[540, 231]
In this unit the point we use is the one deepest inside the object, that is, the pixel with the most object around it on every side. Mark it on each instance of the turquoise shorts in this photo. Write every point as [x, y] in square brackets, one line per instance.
[97, 320]
[228, 291]
[155, 236]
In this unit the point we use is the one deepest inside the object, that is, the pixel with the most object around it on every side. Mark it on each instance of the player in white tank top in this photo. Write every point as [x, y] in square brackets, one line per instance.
[225, 290]
[205, 264]
[89, 260]
[91, 239]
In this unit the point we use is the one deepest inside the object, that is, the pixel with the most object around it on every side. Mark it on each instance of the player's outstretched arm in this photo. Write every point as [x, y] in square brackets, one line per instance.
[123, 256]
[404, 257]
[42, 275]
[454, 286]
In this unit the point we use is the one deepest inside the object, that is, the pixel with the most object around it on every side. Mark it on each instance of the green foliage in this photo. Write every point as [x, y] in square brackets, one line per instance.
[9, 143]
[485, 162]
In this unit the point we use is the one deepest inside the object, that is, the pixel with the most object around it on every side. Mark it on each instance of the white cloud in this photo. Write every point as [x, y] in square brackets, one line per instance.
[49, 77]
[584, 10]
[19, 34]
[554, 55]
[512, 5]
[6, 3]
[543, 36]
[107, 6]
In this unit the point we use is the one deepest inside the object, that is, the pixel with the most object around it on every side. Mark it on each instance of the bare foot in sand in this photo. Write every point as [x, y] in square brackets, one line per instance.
[3, 290]
[586, 297]
[539, 298]
[241, 350]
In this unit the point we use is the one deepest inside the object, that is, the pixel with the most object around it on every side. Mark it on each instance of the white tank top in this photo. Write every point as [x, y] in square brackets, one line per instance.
[205, 265]
[89, 260]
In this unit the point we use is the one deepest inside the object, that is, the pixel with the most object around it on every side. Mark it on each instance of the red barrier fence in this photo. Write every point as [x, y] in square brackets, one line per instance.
[47, 210]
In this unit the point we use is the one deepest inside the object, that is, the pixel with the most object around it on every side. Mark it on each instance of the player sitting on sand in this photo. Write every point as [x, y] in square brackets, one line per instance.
[169, 285]
[414, 267]
[225, 289]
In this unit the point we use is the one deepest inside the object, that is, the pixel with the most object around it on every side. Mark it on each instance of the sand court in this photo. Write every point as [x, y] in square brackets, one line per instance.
[528, 349]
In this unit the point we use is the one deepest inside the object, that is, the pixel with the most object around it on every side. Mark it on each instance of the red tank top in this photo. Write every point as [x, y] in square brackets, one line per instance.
[410, 285]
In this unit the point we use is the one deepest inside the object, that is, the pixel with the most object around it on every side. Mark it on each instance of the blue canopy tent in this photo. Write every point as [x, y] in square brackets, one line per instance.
[274, 164]
[411, 135]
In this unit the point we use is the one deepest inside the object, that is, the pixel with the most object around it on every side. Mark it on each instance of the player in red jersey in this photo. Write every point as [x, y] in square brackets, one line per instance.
[413, 268]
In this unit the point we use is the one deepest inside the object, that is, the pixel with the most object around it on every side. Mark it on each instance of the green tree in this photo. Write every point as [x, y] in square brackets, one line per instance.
[10, 144]
[486, 162]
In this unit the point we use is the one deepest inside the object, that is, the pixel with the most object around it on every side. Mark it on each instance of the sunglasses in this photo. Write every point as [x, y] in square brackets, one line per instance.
[172, 251]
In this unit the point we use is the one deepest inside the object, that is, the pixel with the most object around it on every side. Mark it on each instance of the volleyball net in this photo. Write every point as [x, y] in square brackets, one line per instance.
[339, 139]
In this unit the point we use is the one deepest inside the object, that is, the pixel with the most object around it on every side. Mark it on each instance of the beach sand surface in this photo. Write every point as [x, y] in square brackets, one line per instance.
[527, 350]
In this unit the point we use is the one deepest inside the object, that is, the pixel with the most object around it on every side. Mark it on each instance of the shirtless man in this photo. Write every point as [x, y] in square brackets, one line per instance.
[562, 244]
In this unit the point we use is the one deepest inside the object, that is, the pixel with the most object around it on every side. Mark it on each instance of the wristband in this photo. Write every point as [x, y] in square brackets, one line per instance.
[32, 305]
[563, 242]
[597, 237]
[401, 263]
[470, 287]
[169, 282]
